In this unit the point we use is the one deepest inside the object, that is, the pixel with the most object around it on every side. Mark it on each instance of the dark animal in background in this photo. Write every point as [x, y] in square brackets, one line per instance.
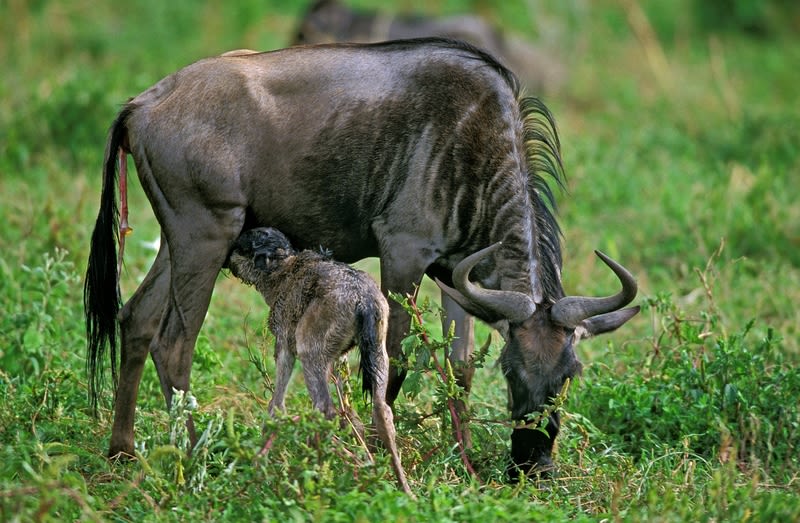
[433, 159]
[319, 310]
[328, 21]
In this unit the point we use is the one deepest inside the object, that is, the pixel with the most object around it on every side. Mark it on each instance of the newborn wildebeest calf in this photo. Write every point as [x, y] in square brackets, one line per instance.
[319, 309]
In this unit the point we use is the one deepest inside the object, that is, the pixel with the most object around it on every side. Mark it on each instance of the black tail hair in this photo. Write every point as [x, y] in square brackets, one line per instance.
[101, 294]
[367, 324]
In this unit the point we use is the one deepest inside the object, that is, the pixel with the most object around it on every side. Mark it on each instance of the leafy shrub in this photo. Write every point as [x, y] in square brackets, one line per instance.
[720, 396]
[40, 320]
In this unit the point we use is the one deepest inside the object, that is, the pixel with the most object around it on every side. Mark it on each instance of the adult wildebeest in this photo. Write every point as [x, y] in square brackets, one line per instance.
[319, 310]
[328, 21]
[420, 152]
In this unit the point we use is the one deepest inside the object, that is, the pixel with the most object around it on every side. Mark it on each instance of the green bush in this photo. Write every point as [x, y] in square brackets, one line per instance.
[717, 395]
[39, 319]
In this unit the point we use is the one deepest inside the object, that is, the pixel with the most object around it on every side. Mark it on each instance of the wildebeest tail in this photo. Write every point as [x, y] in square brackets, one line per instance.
[101, 295]
[368, 318]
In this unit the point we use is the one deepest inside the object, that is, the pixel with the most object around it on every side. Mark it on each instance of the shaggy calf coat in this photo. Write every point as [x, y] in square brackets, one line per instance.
[319, 310]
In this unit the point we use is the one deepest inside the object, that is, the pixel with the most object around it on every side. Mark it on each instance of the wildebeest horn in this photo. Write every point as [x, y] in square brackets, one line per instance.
[490, 305]
[604, 312]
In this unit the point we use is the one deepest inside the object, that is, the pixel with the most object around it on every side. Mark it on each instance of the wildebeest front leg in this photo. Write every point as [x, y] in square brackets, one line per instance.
[398, 330]
[284, 364]
[460, 356]
[403, 262]
[138, 321]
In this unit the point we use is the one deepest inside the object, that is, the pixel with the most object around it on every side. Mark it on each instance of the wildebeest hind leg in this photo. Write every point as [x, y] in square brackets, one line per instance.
[138, 321]
[316, 369]
[199, 245]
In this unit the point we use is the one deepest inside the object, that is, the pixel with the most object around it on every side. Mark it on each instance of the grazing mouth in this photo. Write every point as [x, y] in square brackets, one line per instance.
[531, 451]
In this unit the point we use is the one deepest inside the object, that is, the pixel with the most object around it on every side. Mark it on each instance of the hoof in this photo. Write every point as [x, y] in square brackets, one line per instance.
[121, 453]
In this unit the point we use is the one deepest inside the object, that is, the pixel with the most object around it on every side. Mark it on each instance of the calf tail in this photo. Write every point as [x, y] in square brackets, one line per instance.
[371, 342]
[101, 294]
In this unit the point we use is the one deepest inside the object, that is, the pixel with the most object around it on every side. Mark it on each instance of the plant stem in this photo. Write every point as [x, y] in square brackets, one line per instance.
[451, 406]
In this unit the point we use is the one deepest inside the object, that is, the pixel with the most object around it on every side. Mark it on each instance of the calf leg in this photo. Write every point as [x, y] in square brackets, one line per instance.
[384, 420]
[138, 324]
[284, 364]
[316, 369]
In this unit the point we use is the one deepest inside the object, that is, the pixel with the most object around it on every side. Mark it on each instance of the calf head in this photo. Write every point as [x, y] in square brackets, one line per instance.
[260, 249]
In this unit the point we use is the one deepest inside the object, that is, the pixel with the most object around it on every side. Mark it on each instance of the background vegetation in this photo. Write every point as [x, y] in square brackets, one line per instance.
[680, 127]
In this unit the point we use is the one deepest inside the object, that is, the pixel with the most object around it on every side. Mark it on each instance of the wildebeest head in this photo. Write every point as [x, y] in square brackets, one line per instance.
[330, 21]
[539, 355]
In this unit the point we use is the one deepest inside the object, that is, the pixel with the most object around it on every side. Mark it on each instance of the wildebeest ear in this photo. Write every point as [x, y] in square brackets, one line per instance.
[608, 322]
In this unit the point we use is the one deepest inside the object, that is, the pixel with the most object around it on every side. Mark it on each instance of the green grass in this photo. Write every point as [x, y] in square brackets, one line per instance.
[680, 137]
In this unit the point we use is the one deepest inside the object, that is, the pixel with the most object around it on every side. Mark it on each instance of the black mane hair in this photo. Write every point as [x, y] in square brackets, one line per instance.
[543, 150]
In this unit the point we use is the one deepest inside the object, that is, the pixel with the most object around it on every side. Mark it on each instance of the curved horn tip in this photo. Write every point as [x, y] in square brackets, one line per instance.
[478, 255]
[608, 260]
[623, 273]
[493, 247]
[463, 268]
